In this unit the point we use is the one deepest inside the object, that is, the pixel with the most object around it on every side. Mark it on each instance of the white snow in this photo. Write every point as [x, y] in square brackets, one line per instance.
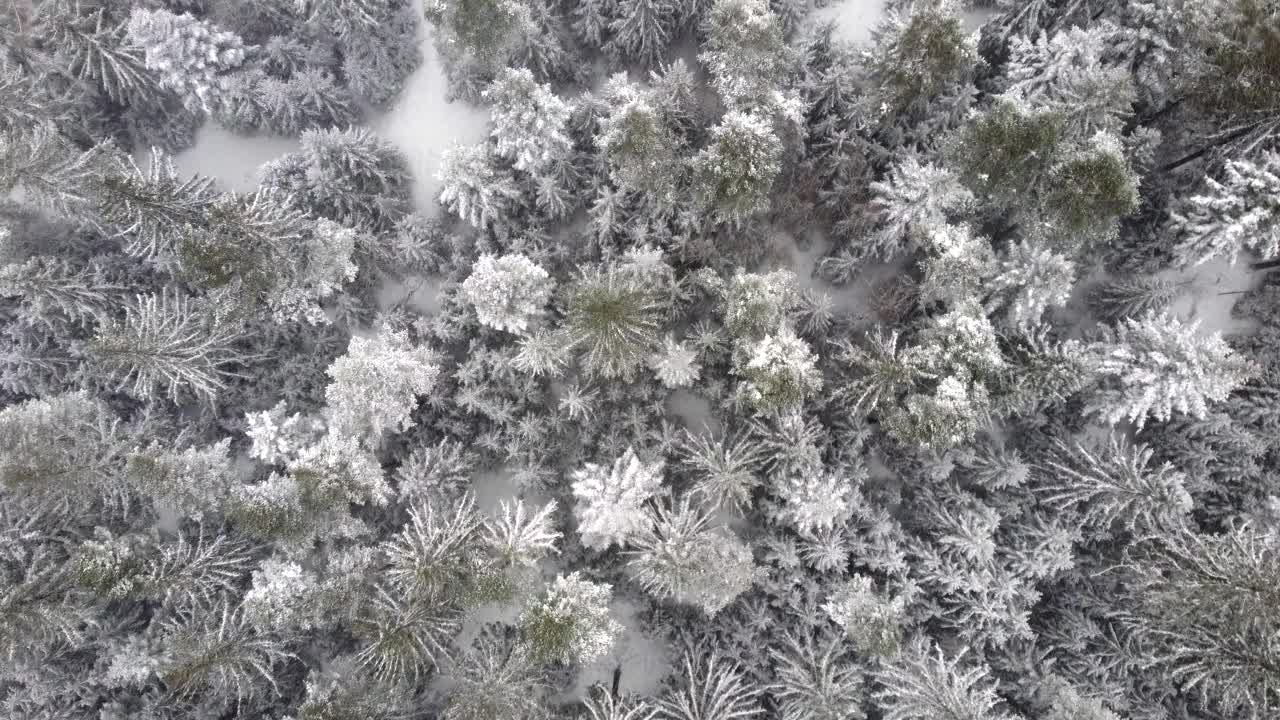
[694, 411]
[644, 660]
[418, 293]
[854, 18]
[233, 160]
[422, 124]
[1211, 290]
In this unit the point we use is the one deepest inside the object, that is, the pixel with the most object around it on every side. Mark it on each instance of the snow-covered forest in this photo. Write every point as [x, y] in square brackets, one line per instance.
[640, 359]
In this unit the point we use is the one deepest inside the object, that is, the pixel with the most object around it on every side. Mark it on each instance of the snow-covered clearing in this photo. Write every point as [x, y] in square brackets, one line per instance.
[233, 160]
[854, 19]
[422, 124]
[1211, 291]
[643, 659]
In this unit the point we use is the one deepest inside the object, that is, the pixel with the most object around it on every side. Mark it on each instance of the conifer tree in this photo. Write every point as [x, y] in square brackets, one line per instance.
[611, 502]
[640, 31]
[376, 385]
[681, 556]
[152, 207]
[923, 684]
[509, 292]
[475, 189]
[569, 621]
[747, 57]
[166, 345]
[735, 172]
[190, 55]
[1158, 365]
[1240, 212]
[528, 121]
[613, 318]
[920, 54]
[1209, 604]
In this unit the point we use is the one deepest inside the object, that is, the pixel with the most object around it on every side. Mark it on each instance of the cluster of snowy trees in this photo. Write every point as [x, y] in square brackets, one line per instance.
[992, 455]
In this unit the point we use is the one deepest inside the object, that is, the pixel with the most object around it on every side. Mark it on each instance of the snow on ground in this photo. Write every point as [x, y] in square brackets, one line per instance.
[1211, 291]
[423, 124]
[644, 660]
[233, 160]
[854, 18]
[852, 298]
[694, 411]
[417, 293]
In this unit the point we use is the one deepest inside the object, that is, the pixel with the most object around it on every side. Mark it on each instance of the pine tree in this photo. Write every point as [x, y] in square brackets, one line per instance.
[497, 677]
[724, 467]
[166, 344]
[475, 189]
[152, 207]
[748, 58]
[712, 688]
[403, 638]
[756, 305]
[924, 684]
[1159, 365]
[190, 55]
[436, 557]
[509, 292]
[675, 365]
[283, 597]
[914, 200]
[872, 622]
[1240, 212]
[679, 555]
[610, 506]
[218, 651]
[529, 121]
[520, 539]
[601, 704]
[815, 501]
[613, 317]
[376, 385]
[781, 371]
[569, 622]
[641, 30]
[735, 172]
[816, 681]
